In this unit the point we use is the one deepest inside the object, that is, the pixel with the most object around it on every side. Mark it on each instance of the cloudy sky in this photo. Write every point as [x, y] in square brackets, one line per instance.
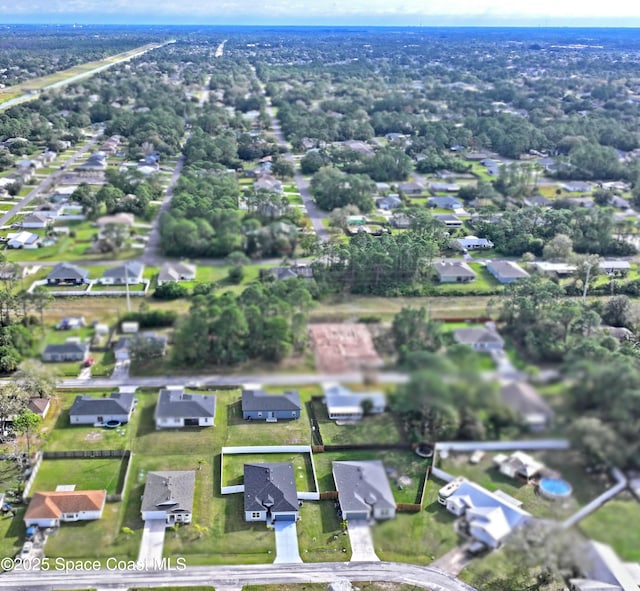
[348, 12]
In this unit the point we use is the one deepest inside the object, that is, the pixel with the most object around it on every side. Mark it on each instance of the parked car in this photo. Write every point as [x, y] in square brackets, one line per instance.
[26, 550]
[88, 362]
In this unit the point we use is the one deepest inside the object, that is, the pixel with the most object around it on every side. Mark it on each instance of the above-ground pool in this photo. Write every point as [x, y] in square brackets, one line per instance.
[112, 424]
[555, 488]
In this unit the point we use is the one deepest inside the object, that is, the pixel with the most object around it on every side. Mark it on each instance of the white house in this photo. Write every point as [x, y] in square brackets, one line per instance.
[130, 273]
[480, 338]
[36, 221]
[606, 571]
[363, 490]
[175, 408]
[87, 410]
[471, 243]
[24, 239]
[518, 464]
[174, 272]
[49, 509]
[169, 496]
[490, 516]
[343, 404]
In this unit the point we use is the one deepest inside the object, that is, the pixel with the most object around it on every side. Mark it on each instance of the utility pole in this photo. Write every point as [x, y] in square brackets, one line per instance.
[126, 281]
[586, 282]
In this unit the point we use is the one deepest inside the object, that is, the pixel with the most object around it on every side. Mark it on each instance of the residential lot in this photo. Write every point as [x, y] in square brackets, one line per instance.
[85, 474]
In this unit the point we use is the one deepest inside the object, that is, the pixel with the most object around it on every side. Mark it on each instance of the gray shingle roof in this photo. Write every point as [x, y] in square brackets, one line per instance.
[169, 491]
[253, 400]
[68, 271]
[454, 269]
[131, 270]
[116, 403]
[70, 347]
[270, 486]
[473, 336]
[508, 269]
[524, 399]
[362, 485]
[175, 403]
[176, 271]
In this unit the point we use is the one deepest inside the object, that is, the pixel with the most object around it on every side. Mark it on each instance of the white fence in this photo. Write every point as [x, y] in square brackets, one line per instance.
[269, 449]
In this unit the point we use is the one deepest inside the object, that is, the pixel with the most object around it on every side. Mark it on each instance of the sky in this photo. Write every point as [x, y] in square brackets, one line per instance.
[327, 12]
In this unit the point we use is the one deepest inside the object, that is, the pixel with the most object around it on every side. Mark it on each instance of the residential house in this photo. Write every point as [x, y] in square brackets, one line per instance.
[450, 220]
[480, 338]
[35, 221]
[401, 221]
[490, 516]
[411, 188]
[524, 400]
[11, 271]
[71, 323]
[445, 202]
[39, 406]
[171, 272]
[357, 146]
[391, 201]
[122, 348]
[67, 274]
[557, 269]
[71, 350]
[87, 410]
[343, 404]
[268, 183]
[471, 243]
[49, 509]
[130, 273]
[506, 271]
[293, 272]
[363, 490]
[606, 571]
[169, 496]
[616, 268]
[493, 167]
[270, 492]
[444, 187]
[576, 187]
[537, 201]
[619, 202]
[618, 332]
[518, 465]
[454, 272]
[97, 162]
[257, 405]
[23, 239]
[176, 408]
[119, 219]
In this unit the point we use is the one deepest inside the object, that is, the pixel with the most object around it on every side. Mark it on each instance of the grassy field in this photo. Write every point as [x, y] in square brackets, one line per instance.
[11, 528]
[417, 538]
[86, 474]
[618, 524]
[241, 432]
[233, 469]
[380, 428]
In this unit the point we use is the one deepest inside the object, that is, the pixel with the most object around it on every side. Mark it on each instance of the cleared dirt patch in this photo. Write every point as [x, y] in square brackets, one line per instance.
[343, 347]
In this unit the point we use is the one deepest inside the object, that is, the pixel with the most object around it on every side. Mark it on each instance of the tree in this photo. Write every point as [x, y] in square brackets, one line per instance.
[597, 441]
[618, 311]
[333, 188]
[26, 423]
[171, 290]
[283, 168]
[41, 298]
[559, 248]
[312, 162]
[38, 380]
[413, 331]
[13, 401]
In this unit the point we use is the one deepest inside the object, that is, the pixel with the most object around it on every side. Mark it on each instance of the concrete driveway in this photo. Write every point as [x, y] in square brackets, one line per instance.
[152, 542]
[286, 542]
[361, 541]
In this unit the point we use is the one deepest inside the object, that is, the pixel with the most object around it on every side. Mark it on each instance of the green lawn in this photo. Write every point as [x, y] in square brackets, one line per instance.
[380, 428]
[234, 467]
[485, 283]
[417, 538]
[60, 435]
[320, 534]
[618, 524]
[11, 528]
[86, 474]
[284, 432]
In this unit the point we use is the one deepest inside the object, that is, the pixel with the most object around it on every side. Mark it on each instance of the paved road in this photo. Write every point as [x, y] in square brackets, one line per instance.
[151, 254]
[235, 576]
[232, 380]
[316, 215]
[49, 182]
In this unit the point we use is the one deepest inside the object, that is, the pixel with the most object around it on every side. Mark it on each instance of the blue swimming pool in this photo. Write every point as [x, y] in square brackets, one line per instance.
[555, 488]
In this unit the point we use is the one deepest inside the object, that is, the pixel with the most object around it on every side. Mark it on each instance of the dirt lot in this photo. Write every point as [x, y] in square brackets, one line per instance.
[343, 347]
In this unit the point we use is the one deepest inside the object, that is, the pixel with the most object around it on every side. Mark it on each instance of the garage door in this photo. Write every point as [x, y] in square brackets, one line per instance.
[285, 518]
[356, 515]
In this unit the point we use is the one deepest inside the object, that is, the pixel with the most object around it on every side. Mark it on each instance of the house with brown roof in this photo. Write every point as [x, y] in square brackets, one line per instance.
[49, 509]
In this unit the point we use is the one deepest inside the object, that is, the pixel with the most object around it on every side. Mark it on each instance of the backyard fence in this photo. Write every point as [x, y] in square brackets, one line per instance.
[94, 453]
[329, 495]
[34, 472]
